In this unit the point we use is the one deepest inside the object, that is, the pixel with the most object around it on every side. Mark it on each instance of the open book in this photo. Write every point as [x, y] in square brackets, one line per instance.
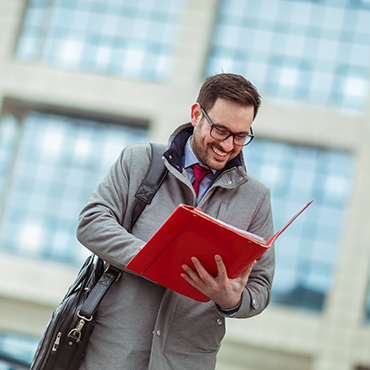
[189, 232]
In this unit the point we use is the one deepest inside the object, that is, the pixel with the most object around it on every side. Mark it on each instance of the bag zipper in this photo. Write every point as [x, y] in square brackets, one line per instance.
[56, 343]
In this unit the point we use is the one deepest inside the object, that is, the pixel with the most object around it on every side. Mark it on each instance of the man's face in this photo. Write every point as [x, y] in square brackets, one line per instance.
[231, 116]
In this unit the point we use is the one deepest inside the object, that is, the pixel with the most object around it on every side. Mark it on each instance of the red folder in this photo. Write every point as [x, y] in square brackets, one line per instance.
[189, 232]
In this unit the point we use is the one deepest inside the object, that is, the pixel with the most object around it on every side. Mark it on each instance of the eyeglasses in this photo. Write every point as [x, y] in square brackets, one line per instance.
[221, 134]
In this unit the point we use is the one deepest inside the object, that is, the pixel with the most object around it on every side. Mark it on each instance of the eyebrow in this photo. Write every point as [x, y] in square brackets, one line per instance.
[221, 126]
[232, 132]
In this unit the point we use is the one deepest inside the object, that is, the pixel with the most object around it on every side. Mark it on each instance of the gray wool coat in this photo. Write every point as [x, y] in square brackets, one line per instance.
[142, 325]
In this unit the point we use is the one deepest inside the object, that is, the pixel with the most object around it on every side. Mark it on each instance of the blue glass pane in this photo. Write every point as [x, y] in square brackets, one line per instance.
[131, 39]
[316, 52]
[60, 161]
[18, 347]
[306, 253]
[367, 313]
[8, 142]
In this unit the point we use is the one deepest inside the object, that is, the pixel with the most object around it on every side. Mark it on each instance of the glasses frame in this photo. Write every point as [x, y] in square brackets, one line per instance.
[233, 134]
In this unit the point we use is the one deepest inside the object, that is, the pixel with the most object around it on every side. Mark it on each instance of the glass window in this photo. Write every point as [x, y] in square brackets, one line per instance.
[306, 253]
[8, 143]
[131, 39]
[50, 175]
[316, 52]
[16, 351]
[367, 314]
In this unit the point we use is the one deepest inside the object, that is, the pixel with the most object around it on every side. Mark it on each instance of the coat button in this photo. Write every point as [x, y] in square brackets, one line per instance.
[170, 156]
[240, 177]
[219, 321]
[229, 182]
[254, 304]
[158, 333]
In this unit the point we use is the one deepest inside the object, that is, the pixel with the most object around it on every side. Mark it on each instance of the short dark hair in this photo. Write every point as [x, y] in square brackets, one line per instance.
[228, 86]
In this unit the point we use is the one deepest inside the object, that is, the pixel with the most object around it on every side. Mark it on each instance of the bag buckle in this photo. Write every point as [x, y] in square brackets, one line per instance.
[76, 332]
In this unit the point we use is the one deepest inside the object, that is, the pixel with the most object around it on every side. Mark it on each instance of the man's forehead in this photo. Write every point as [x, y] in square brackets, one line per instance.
[232, 116]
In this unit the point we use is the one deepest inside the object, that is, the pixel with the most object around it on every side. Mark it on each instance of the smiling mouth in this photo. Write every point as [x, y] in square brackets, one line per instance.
[219, 152]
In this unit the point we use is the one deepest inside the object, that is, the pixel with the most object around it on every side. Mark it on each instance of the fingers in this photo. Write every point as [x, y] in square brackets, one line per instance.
[187, 276]
[222, 290]
[201, 279]
[193, 278]
[189, 272]
[200, 274]
[222, 273]
[221, 268]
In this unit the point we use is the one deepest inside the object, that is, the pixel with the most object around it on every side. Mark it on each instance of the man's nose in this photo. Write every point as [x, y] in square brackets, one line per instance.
[228, 144]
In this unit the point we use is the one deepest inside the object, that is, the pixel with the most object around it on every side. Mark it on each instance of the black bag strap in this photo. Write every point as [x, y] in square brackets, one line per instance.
[153, 180]
[89, 307]
[110, 275]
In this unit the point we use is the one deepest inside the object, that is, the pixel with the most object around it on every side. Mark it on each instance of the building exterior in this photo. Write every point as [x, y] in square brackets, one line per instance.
[81, 79]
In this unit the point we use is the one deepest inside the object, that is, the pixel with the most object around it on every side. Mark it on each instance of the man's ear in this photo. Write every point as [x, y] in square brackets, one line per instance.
[196, 114]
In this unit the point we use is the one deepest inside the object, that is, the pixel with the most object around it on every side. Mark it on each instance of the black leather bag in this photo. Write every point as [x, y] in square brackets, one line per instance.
[63, 344]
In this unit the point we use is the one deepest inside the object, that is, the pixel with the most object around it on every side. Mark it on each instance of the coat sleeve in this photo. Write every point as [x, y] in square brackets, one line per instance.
[257, 292]
[101, 222]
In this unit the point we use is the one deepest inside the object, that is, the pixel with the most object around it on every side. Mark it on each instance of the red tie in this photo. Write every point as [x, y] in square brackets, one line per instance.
[199, 174]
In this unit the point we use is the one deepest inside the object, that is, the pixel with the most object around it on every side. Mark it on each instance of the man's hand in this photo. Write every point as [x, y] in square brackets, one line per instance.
[225, 292]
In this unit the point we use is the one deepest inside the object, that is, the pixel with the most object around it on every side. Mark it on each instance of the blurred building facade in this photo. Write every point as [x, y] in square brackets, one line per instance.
[81, 79]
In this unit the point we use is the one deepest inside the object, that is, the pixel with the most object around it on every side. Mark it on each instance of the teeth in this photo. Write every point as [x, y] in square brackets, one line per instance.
[219, 152]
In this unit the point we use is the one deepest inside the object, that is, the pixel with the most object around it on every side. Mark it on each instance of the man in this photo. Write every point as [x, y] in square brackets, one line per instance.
[142, 325]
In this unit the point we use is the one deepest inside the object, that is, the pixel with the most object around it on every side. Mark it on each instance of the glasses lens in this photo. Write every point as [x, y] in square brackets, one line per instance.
[219, 133]
[241, 139]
